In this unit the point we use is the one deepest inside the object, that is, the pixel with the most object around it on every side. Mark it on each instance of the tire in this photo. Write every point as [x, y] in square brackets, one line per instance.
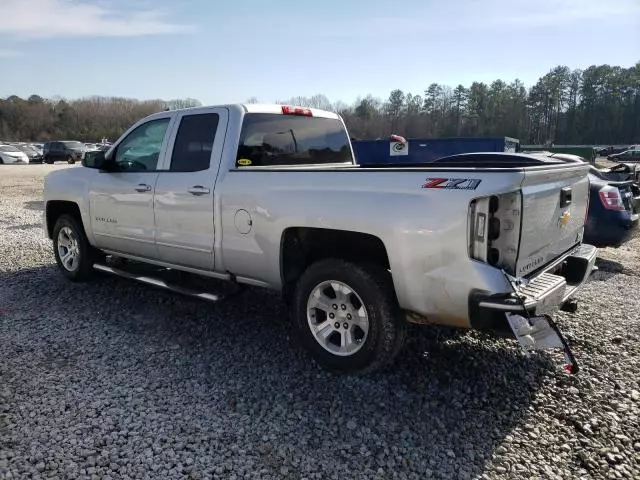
[80, 268]
[70, 160]
[376, 337]
[48, 161]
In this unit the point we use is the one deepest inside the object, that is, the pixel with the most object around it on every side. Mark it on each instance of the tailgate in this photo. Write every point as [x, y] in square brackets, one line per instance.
[555, 201]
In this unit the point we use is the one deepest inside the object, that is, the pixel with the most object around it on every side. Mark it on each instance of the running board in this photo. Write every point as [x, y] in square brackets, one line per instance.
[158, 281]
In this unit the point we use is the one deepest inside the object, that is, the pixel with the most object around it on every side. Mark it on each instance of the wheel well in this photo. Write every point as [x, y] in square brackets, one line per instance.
[301, 247]
[55, 208]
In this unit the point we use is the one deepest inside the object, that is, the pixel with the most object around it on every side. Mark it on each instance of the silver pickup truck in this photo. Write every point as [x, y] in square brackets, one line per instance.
[271, 196]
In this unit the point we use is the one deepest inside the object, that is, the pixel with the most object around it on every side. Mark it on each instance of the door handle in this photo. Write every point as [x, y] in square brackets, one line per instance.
[143, 187]
[198, 190]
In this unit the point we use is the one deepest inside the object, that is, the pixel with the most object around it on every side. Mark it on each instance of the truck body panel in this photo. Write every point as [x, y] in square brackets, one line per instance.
[229, 217]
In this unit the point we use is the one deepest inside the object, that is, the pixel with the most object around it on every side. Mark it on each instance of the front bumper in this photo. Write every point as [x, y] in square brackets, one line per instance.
[541, 294]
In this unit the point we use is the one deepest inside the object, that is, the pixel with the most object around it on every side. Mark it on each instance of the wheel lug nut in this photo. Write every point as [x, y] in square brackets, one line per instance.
[335, 307]
[345, 325]
[337, 325]
[332, 315]
[343, 306]
[348, 316]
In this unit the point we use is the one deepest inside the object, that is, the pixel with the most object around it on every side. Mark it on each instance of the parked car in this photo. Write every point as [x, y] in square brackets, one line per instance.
[39, 147]
[271, 196]
[613, 211]
[10, 154]
[31, 152]
[631, 155]
[68, 151]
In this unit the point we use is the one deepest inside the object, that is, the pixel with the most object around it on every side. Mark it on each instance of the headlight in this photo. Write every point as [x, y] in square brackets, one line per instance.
[494, 230]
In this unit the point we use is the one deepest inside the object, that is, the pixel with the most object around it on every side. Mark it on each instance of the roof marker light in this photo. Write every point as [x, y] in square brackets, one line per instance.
[289, 110]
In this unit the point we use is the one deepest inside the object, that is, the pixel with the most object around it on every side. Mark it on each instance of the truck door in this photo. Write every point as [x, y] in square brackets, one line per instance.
[184, 207]
[121, 202]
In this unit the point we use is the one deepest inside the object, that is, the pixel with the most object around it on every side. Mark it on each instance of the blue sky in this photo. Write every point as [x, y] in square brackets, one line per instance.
[221, 52]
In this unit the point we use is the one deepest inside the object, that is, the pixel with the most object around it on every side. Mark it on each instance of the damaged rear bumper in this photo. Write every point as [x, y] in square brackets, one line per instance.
[544, 293]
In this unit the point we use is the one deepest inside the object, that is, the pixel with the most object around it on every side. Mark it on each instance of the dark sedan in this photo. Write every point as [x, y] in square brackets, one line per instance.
[613, 211]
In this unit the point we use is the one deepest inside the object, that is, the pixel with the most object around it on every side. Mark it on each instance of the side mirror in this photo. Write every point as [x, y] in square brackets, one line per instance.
[98, 160]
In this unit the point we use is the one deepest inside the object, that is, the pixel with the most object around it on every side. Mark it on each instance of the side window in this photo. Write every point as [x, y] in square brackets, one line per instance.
[140, 150]
[194, 143]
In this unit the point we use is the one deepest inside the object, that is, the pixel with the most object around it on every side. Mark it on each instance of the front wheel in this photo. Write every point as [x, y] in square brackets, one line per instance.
[347, 316]
[74, 255]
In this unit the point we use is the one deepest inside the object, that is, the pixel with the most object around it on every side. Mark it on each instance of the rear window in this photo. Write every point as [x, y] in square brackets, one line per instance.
[271, 140]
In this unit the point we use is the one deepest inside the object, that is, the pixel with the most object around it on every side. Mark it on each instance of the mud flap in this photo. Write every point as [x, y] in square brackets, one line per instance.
[541, 333]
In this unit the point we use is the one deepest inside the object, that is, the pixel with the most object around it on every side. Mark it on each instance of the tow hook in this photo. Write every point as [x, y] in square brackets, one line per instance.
[570, 306]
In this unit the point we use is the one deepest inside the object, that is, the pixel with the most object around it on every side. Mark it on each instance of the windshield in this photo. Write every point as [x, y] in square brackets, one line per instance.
[272, 140]
[74, 145]
[8, 148]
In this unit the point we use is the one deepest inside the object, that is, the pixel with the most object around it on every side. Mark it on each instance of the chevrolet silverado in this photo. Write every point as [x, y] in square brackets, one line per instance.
[271, 196]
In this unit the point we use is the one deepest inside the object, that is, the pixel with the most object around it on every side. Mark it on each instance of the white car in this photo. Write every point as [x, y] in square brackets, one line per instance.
[10, 154]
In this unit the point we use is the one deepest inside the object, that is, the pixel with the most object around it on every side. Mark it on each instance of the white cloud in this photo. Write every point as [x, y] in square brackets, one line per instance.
[81, 18]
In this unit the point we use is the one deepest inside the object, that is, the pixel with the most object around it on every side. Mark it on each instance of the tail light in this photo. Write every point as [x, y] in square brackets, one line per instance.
[494, 229]
[611, 198]
[289, 110]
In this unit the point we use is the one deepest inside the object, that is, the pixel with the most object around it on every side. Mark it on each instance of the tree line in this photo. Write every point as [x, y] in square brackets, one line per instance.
[86, 119]
[598, 105]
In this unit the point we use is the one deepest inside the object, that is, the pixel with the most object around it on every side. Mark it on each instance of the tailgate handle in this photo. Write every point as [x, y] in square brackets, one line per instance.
[565, 197]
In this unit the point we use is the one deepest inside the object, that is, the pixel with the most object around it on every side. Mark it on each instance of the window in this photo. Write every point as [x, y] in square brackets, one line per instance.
[73, 145]
[194, 143]
[271, 140]
[140, 150]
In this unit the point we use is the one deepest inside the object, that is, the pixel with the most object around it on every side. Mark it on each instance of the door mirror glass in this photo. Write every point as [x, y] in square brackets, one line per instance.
[98, 160]
[93, 159]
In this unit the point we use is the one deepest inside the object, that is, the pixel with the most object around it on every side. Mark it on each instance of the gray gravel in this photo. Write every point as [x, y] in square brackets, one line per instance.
[112, 379]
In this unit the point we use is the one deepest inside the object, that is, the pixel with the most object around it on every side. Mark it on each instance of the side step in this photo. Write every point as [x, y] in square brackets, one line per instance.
[166, 278]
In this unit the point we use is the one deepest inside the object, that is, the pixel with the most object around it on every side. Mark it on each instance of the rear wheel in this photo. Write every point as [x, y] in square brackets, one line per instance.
[347, 317]
[70, 160]
[74, 255]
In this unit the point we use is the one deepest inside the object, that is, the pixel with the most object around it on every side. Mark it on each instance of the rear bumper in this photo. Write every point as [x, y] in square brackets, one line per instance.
[611, 229]
[544, 293]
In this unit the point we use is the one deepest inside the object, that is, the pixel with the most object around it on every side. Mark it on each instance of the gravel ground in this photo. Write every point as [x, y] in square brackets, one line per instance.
[112, 379]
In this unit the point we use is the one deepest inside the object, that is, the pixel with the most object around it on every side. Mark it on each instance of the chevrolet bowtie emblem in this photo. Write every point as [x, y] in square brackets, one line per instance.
[564, 219]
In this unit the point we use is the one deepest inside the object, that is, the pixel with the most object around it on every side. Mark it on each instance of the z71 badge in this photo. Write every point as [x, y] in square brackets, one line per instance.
[452, 183]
